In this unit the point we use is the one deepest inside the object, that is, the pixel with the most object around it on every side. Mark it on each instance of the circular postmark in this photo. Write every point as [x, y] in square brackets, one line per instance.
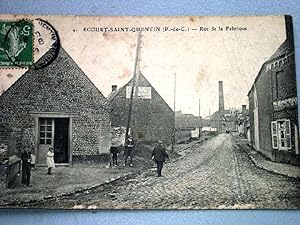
[46, 44]
[28, 44]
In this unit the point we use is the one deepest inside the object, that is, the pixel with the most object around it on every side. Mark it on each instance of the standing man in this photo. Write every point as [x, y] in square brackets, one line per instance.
[129, 148]
[114, 156]
[26, 167]
[159, 155]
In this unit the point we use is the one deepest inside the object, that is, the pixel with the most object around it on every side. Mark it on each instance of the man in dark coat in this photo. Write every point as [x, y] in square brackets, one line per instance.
[114, 155]
[129, 148]
[26, 167]
[159, 155]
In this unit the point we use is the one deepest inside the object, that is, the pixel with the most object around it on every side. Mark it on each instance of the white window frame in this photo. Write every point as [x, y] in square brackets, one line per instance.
[275, 135]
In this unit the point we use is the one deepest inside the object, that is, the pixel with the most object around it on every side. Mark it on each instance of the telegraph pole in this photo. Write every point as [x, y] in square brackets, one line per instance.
[174, 108]
[134, 78]
[199, 121]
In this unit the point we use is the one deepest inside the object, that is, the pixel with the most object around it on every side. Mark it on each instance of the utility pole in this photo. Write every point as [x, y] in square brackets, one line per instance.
[174, 108]
[199, 121]
[134, 81]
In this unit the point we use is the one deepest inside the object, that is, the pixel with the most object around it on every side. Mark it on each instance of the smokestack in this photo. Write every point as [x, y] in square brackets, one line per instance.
[113, 88]
[221, 96]
[244, 109]
[289, 30]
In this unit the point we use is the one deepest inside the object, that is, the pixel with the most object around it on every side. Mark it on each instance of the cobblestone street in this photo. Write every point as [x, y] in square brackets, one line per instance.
[212, 174]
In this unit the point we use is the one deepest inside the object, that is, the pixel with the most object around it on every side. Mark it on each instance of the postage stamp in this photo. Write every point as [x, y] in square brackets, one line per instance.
[16, 43]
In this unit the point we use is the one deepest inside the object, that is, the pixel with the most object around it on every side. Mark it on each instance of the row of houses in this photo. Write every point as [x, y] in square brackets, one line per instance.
[273, 112]
[58, 106]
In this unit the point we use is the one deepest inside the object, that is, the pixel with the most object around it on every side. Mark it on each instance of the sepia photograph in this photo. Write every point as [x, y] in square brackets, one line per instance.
[148, 112]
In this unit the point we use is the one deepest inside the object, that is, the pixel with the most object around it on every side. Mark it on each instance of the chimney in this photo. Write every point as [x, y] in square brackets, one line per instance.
[244, 109]
[113, 88]
[221, 97]
[289, 30]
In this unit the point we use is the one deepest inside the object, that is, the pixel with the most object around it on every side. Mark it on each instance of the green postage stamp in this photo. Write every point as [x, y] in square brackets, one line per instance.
[16, 43]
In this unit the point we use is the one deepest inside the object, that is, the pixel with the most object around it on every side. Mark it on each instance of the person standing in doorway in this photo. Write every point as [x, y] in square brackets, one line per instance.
[129, 148]
[159, 155]
[50, 160]
[26, 167]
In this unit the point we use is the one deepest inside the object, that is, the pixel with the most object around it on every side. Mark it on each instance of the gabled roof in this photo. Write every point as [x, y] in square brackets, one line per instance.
[283, 49]
[112, 95]
[61, 69]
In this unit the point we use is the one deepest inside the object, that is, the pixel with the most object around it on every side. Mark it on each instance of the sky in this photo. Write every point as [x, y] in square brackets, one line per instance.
[199, 58]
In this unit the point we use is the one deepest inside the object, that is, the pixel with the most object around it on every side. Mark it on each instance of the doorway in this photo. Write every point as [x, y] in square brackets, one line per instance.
[61, 136]
[53, 132]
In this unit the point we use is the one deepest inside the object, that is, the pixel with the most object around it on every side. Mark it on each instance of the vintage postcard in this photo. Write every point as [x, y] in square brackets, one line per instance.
[148, 113]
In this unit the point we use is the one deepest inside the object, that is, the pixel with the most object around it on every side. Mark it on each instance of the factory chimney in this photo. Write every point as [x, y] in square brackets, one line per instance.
[221, 97]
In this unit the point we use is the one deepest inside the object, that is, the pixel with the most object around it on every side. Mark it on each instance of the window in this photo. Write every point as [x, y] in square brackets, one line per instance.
[281, 134]
[46, 131]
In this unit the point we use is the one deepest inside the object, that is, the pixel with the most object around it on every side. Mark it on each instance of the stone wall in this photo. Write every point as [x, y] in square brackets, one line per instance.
[61, 87]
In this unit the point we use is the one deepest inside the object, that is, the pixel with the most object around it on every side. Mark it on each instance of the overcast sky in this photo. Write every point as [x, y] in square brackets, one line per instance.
[199, 58]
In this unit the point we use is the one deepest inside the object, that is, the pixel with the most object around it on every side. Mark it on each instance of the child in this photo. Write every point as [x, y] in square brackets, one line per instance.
[33, 161]
[50, 160]
[114, 155]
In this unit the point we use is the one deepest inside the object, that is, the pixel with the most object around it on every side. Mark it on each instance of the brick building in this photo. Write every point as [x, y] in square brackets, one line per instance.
[152, 118]
[57, 106]
[273, 112]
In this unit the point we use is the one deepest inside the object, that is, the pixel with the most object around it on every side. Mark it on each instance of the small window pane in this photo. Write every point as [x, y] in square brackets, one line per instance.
[49, 135]
[42, 141]
[42, 134]
[274, 131]
[287, 127]
[43, 121]
[282, 143]
[48, 141]
[49, 128]
[275, 142]
[288, 142]
[42, 128]
[49, 121]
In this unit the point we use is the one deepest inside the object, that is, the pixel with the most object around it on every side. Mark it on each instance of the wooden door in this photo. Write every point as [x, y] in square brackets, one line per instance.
[46, 139]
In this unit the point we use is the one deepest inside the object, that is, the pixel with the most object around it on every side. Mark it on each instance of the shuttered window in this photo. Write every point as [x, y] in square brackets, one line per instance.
[274, 134]
[288, 134]
[281, 134]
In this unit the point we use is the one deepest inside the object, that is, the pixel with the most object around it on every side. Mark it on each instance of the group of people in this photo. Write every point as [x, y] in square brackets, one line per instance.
[28, 162]
[159, 154]
[129, 148]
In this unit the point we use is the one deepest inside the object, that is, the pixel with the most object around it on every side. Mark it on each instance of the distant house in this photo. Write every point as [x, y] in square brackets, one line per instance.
[57, 106]
[224, 120]
[273, 112]
[187, 126]
[242, 121]
[152, 118]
